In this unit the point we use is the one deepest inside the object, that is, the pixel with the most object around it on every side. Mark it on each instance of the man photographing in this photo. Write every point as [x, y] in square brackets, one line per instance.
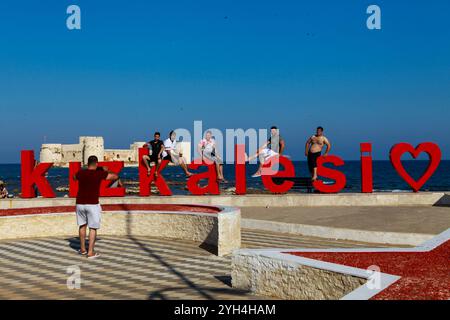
[88, 209]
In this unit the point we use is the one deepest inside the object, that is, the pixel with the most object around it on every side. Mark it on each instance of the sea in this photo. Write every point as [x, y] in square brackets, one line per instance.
[385, 178]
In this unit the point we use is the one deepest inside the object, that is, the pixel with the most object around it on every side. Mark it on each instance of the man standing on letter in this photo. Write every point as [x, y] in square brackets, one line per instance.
[313, 150]
[88, 209]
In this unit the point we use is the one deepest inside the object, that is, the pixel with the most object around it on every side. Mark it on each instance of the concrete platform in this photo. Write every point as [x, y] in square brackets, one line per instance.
[131, 267]
[409, 225]
[260, 200]
[411, 219]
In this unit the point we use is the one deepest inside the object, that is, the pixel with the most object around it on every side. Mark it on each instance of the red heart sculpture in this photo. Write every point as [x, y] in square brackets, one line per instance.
[430, 148]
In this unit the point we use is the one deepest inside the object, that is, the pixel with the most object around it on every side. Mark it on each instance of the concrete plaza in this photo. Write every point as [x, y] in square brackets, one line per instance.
[132, 267]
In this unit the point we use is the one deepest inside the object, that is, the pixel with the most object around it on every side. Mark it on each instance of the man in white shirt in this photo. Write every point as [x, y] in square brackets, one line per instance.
[173, 155]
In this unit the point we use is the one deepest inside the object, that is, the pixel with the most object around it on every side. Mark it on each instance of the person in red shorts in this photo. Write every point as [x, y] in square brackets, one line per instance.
[88, 210]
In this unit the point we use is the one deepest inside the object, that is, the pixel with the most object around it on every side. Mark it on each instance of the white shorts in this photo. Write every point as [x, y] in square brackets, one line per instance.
[175, 158]
[268, 153]
[90, 214]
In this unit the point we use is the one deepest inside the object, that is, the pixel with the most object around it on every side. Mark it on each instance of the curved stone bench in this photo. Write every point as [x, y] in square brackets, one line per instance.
[217, 228]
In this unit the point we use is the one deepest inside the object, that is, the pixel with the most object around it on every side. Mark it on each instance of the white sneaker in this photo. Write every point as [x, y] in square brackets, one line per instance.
[256, 175]
[95, 256]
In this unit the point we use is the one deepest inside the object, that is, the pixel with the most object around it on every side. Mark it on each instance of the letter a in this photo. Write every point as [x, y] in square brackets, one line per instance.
[210, 175]
[374, 20]
[74, 20]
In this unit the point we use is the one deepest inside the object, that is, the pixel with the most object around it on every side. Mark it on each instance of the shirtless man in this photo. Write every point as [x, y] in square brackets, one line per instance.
[313, 150]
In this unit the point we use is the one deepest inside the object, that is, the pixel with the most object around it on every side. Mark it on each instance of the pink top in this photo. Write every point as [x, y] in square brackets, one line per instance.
[207, 144]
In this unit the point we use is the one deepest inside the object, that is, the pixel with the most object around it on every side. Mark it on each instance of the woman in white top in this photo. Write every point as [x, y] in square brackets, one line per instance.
[207, 149]
[173, 155]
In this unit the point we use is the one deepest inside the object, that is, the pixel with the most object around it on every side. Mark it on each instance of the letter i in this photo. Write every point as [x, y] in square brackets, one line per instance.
[366, 168]
[239, 154]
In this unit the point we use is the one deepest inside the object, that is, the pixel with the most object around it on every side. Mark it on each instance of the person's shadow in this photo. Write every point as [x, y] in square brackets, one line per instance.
[74, 243]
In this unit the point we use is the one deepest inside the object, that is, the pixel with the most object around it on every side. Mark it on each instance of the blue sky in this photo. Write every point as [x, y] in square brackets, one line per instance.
[137, 66]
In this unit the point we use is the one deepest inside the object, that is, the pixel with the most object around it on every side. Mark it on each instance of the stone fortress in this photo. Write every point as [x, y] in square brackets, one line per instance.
[62, 154]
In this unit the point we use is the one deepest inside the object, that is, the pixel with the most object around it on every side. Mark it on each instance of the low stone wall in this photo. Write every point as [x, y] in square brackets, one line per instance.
[219, 231]
[346, 273]
[263, 273]
[258, 200]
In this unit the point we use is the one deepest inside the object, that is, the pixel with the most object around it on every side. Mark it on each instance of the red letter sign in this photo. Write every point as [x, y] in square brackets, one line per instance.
[211, 175]
[105, 190]
[337, 176]
[366, 168]
[239, 158]
[145, 180]
[74, 167]
[268, 173]
[430, 148]
[31, 176]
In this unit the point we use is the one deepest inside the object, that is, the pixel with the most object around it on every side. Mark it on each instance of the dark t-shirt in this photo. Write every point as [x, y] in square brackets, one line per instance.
[156, 146]
[275, 147]
[89, 185]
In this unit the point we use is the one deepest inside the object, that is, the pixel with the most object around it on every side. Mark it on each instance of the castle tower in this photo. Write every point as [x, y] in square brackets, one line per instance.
[50, 152]
[92, 146]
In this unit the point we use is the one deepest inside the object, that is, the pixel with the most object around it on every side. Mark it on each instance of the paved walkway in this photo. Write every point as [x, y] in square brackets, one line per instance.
[131, 268]
[420, 219]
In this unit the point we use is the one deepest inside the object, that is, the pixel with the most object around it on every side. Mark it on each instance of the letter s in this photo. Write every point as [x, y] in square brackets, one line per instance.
[337, 176]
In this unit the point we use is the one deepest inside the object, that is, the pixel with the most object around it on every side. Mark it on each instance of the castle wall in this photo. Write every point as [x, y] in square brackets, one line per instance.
[71, 153]
[62, 154]
[50, 152]
[118, 155]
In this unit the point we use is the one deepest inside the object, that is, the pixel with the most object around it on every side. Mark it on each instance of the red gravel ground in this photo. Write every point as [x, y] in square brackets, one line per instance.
[113, 207]
[424, 275]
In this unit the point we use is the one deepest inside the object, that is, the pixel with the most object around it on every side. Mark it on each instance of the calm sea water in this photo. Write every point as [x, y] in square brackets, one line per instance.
[385, 177]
